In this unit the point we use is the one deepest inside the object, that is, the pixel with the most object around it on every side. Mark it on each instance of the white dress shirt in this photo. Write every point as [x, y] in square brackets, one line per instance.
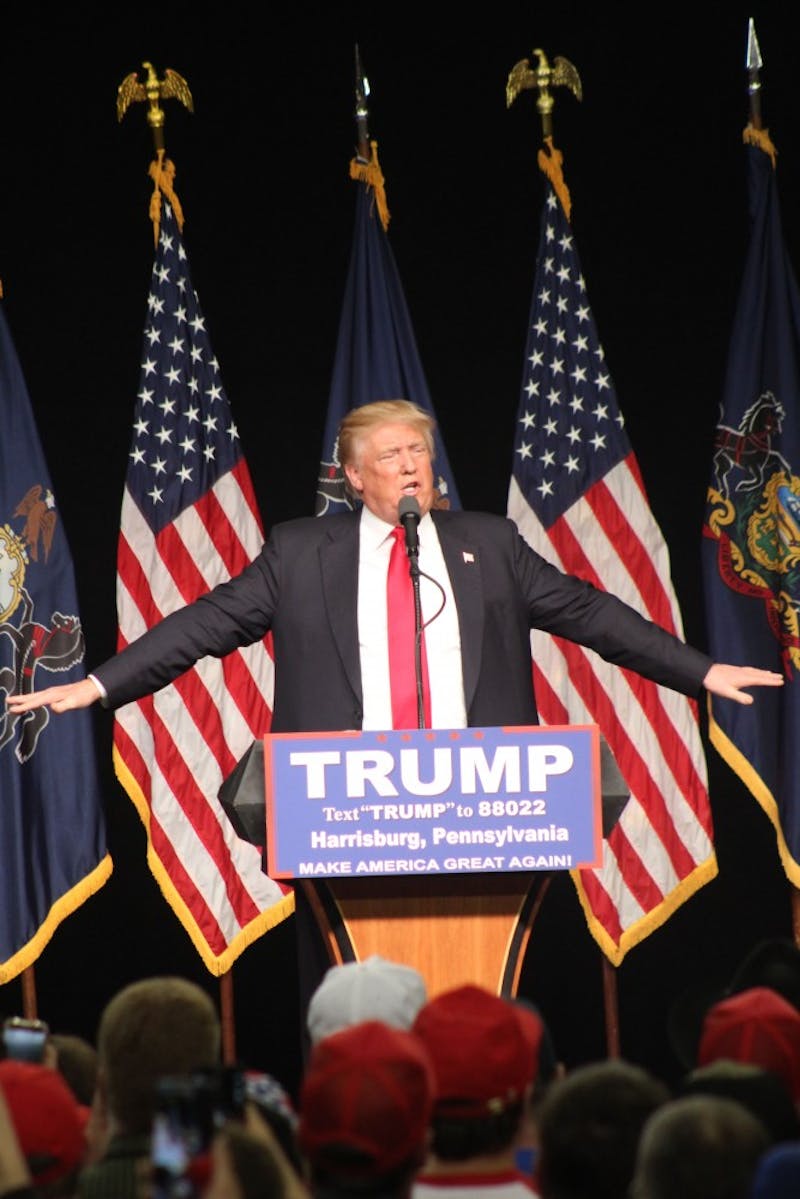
[442, 635]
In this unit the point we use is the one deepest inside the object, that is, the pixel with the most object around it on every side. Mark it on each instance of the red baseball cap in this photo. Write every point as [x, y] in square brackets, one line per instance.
[484, 1049]
[48, 1119]
[368, 1088]
[757, 1026]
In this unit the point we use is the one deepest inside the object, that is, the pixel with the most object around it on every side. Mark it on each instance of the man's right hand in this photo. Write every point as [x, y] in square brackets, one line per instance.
[59, 699]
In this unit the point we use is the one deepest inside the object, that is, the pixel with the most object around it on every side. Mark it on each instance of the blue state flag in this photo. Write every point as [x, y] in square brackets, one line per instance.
[751, 542]
[52, 837]
[376, 354]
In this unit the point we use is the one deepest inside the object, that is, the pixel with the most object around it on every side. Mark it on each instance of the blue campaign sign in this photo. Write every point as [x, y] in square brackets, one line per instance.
[428, 801]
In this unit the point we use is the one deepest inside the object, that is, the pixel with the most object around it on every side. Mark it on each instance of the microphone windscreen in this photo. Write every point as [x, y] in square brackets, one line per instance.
[409, 506]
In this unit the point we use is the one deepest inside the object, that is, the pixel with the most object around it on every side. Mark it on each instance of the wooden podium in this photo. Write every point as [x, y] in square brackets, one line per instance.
[453, 928]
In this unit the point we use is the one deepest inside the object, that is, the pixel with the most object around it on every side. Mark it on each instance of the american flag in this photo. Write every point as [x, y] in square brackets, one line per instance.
[577, 496]
[190, 520]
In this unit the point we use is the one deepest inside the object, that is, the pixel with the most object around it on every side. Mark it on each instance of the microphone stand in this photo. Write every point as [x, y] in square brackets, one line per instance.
[413, 566]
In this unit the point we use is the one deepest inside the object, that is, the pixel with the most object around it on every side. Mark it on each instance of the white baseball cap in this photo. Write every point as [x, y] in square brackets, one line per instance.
[375, 989]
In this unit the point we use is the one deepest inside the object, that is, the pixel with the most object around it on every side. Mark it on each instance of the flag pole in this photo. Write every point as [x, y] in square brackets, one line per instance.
[162, 172]
[542, 77]
[754, 64]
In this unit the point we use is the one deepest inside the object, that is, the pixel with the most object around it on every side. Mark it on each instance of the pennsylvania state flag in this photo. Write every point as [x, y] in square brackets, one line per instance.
[52, 839]
[751, 546]
[376, 351]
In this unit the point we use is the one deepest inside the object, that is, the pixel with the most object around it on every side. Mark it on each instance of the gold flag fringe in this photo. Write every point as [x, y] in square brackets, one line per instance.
[761, 139]
[371, 174]
[162, 172]
[550, 164]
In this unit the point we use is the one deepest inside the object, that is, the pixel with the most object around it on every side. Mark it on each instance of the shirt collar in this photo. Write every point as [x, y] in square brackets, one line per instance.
[376, 532]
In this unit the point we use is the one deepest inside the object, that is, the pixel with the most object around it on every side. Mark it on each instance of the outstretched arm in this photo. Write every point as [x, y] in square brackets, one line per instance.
[729, 681]
[61, 699]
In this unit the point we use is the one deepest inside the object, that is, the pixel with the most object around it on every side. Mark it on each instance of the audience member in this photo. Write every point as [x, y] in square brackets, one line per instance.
[757, 1026]
[763, 1093]
[244, 1166]
[773, 963]
[375, 989]
[589, 1127]
[48, 1122]
[699, 1147]
[365, 1105]
[149, 1029]
[76, 1060]
[485, 1055]
[15, 1175]
[270, 1101]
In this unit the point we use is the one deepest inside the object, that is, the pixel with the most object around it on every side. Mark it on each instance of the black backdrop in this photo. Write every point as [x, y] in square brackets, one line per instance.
[654, 162]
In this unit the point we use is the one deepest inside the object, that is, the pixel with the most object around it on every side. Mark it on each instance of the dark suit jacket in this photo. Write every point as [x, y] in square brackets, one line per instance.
[303, 586]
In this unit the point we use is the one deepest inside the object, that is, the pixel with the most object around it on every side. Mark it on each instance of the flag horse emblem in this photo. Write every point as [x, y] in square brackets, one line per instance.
[749, 448]
[57, 646]
[754, 515]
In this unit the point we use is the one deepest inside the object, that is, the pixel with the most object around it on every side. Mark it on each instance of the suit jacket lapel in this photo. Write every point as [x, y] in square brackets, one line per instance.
[464, 567]
[338, 560]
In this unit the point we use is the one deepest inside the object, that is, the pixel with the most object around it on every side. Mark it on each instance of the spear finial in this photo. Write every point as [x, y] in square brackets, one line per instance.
[754, 65]
[172, 86]
[362, 112]
[542, 77]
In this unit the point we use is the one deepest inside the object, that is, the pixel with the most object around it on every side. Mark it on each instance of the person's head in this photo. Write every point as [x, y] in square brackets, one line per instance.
[760, 1091]
[152, 1028]
[757, 1026]
[365, 1105]
[375, 989]
[590, 1122]
[48, 1122]
[386, 452]
[699, 1147]
[76, 1060]
[484, 1051]
[243, 1166]
[270, 1101]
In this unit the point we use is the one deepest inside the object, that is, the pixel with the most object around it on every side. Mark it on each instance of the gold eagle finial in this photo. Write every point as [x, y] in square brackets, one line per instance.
[172, 87]
[543, 77]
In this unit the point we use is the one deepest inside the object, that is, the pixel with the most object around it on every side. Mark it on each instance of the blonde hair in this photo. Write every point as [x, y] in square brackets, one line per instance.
[360, 421]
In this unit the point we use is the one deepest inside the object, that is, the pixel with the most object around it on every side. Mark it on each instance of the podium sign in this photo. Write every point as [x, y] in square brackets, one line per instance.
[433, 802]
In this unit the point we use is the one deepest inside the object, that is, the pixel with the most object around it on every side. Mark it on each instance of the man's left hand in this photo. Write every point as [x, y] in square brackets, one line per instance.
[729, 681]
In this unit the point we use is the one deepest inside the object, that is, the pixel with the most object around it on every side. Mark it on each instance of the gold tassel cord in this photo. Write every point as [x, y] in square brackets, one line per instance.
[371, 174]
[550, 162]
[761, 139]
[162, 172]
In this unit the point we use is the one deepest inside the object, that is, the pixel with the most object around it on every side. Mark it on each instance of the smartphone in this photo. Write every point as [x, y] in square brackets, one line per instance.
[25, 1040]
[189, 1110]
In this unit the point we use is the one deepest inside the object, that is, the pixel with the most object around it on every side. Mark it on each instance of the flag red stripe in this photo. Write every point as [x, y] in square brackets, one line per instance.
[241, 473]
[639, 565]
[162, 847]
[631, 763]
[672, 746]
[221, 533]
[602, 905]
[195, 807]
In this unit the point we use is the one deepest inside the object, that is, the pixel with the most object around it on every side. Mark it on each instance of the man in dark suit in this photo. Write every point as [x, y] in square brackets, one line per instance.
[319, 585]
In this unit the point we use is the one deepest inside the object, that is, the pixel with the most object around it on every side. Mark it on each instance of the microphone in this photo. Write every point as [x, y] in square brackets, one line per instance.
[409, 513]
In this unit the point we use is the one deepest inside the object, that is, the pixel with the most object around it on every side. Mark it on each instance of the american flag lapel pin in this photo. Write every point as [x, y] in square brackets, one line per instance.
[468, 557]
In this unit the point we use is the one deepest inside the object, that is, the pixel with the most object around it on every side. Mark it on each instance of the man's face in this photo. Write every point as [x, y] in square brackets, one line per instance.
[393, 461]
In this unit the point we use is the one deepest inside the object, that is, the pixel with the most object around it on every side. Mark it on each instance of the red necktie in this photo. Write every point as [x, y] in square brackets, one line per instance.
[400, 613]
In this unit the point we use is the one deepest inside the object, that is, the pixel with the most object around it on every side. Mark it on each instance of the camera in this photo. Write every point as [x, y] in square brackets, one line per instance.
[189, 1110]
[25, 1040]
